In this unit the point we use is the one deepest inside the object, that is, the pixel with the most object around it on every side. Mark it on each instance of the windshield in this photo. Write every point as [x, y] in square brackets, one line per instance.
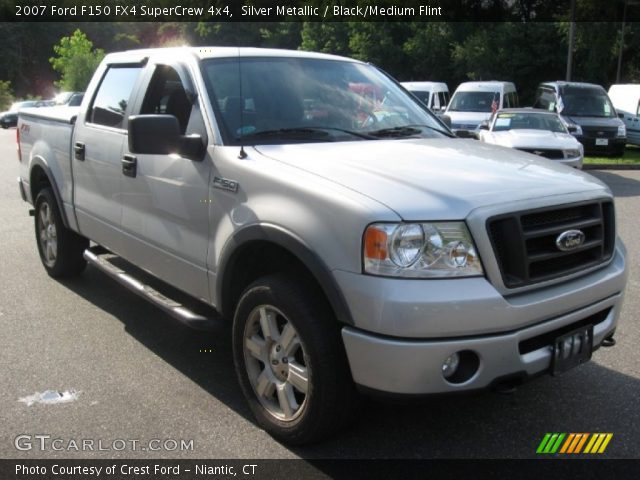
[586, 103]
[528, 121]
[292, 100]
[422, 96]
[475, 102]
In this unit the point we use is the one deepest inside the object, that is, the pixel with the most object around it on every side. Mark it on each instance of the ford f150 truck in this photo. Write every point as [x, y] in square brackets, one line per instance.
[354, 243]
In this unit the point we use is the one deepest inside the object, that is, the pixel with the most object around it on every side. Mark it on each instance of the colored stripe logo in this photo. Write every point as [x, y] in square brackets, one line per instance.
[574, 443]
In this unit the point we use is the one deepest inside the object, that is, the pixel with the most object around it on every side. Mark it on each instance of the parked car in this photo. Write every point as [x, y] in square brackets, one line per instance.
[350, 251]
[588, 107]
[533, 131]
[626, 101]
[8, 119]
[474, 102]
[434, 95]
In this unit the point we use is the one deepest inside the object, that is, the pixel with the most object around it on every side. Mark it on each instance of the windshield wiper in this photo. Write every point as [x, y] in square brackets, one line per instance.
[405, 131]
[305, 133]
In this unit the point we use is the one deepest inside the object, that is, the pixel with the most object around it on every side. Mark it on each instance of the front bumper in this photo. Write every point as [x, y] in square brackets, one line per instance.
[615, 145]
[404, 329]
[415, 366]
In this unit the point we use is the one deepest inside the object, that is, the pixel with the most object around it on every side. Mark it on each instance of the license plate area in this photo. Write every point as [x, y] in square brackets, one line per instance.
[602, 141]
[572, 349]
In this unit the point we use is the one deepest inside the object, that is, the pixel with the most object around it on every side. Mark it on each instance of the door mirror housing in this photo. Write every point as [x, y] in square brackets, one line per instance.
[484, 125]
[572, 128]
[160, 135]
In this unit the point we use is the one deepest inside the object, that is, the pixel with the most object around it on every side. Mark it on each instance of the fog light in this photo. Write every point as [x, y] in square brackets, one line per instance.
[450, 365]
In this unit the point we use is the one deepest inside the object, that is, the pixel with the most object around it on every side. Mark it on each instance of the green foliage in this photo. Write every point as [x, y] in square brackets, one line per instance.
[6, 94]
[76, 61]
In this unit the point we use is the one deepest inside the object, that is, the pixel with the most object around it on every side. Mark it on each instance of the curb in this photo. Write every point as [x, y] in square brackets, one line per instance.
[610, 166]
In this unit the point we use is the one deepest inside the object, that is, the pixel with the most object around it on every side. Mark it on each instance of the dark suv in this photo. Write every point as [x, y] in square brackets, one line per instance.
[589, 114]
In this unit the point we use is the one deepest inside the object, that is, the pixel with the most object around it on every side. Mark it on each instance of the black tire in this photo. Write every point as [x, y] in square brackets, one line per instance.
[60, 249]
[330, 401]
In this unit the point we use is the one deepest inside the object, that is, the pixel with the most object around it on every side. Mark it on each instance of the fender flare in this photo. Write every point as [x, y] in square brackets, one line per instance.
[294, 245]
[42, 163]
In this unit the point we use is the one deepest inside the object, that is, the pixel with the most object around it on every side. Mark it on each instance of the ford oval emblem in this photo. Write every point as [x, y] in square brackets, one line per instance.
[570, 240]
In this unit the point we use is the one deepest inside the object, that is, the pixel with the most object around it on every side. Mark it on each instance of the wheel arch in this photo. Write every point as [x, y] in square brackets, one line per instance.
[40, 176]
[281, 245]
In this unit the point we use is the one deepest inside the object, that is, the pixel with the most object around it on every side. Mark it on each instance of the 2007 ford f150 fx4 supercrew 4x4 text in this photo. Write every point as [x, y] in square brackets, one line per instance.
[355, 244]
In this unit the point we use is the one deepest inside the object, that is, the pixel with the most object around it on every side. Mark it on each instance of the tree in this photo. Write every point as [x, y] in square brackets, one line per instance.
[6, 94]
[76, 61]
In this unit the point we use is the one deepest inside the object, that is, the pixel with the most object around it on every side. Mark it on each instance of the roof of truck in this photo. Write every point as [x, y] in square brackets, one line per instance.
[221, 52]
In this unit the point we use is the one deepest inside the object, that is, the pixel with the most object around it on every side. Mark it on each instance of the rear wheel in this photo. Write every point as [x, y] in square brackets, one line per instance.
[60, 248]
[290, 361]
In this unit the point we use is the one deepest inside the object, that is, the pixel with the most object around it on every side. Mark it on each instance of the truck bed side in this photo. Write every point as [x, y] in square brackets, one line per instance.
[45, 143]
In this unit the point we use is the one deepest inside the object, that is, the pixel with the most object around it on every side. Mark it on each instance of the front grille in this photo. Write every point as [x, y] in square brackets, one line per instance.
[544, 152]
[599, 132]
[525, 242]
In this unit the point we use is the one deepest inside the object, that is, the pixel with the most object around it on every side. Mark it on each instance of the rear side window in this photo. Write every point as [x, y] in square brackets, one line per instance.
[638, 110]
[444, 99]
[111, 101]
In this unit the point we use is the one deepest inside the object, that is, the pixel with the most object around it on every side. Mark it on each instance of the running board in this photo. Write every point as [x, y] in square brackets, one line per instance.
[97, 256]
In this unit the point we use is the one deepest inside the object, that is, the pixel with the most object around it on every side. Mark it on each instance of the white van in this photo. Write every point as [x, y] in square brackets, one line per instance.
[626, 101]
[435, 95]
[474, 102]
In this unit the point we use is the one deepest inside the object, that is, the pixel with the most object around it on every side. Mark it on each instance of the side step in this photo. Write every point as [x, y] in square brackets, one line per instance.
[100, 258]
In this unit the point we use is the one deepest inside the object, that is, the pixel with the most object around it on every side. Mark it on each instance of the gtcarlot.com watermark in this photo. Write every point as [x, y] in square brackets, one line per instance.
[42, 443]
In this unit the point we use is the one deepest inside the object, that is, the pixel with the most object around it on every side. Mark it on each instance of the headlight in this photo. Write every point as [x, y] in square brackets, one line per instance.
[420, 250]
[622, 131]
[571, 153]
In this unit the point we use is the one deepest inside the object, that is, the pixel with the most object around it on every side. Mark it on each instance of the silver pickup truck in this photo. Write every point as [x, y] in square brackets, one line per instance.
[354, 243]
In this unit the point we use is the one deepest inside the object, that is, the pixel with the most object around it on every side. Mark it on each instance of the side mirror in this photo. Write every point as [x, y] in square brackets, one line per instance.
[572, 128]
[446, 119]
[621, 116]
[160, 135]
[484, 125]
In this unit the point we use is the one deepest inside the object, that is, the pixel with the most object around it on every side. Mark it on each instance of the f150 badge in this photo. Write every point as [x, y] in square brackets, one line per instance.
[570, 240]
[225, 184]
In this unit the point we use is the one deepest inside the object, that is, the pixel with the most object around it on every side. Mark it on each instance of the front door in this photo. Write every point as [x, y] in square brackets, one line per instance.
[165, 198]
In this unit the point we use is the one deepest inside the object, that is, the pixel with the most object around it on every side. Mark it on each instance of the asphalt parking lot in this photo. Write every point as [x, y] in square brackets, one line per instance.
[141, 376]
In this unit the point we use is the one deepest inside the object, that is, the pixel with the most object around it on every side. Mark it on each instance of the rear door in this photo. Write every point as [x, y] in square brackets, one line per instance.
[96, 150]
[165, 198]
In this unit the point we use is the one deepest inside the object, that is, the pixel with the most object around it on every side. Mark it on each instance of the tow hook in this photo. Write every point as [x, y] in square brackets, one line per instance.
[505, 388]
[609, 341]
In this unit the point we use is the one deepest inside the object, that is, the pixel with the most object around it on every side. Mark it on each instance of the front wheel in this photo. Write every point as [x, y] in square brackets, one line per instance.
[60, 248]
[290, 361]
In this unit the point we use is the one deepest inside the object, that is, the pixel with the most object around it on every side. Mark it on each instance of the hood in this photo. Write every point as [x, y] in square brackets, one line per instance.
[532, 139]
[434, 179]
[594, 121]
[468, 118]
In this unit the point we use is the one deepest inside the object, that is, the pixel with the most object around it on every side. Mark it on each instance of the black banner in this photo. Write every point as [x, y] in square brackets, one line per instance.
[318, 469]
[316, 10]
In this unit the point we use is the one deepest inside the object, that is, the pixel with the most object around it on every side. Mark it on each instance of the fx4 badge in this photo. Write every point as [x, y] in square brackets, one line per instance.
[225, 184]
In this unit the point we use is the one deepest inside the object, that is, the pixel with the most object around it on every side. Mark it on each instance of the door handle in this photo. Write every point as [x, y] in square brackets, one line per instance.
[129, 165]
[79, 149]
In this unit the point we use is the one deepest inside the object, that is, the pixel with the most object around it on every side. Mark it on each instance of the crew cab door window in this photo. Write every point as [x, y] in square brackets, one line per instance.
[112, 99]
[167, 95]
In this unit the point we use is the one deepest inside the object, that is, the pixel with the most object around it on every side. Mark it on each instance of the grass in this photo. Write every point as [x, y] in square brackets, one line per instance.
[631, 157]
